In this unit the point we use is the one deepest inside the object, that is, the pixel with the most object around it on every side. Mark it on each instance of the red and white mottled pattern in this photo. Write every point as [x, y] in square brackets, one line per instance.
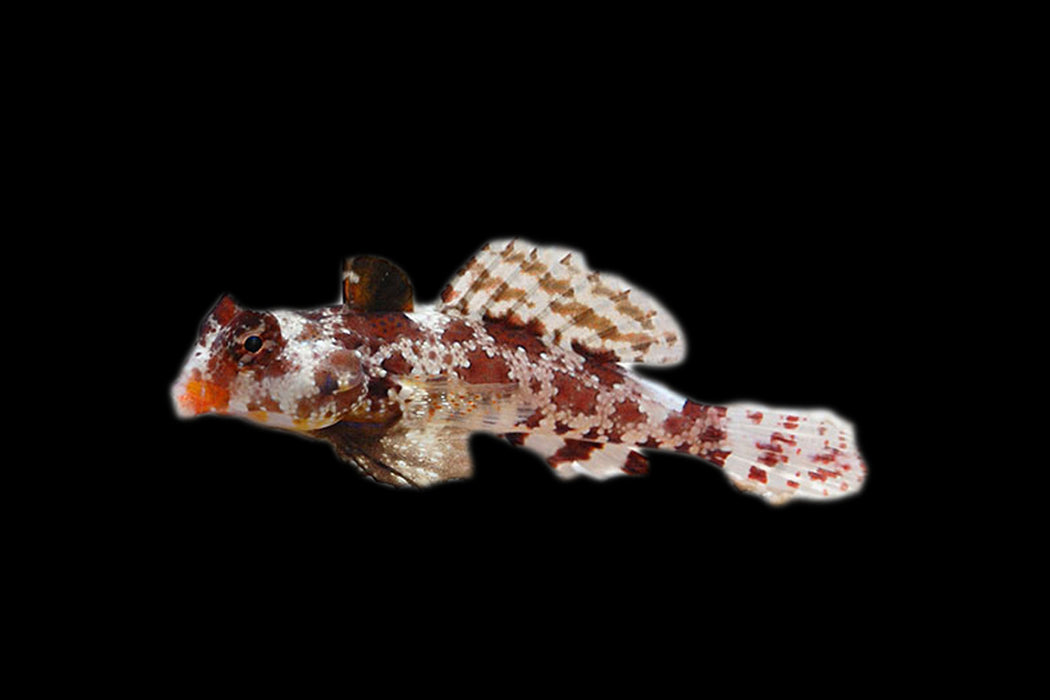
[526, 342]
[784, 454]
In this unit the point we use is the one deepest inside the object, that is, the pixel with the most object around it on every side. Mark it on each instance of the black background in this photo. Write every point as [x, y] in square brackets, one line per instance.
[771, 218]
[773, 257]
[782, 182]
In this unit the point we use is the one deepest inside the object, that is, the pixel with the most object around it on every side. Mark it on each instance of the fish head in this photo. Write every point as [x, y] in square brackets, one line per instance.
[279, 369]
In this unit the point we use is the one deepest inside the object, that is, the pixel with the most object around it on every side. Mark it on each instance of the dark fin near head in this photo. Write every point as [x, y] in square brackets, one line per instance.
[375, 284]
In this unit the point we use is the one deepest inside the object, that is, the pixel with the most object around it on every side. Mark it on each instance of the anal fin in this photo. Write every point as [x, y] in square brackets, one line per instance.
[570, 458]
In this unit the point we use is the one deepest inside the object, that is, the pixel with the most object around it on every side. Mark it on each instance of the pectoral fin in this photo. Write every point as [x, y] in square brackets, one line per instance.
[407, 455]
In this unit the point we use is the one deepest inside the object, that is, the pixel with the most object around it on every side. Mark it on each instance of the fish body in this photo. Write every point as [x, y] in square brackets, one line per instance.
[525, 342]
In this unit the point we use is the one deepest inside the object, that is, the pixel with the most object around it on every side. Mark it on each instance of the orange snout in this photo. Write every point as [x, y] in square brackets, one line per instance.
[200, 396]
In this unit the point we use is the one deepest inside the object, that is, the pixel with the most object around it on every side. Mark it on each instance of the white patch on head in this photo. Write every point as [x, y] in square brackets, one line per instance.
[304, 354]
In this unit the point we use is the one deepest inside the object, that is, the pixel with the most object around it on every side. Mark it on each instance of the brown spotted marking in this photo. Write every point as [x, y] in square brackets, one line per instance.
[484, 369]
[573, 451]
[506, 333]
[636, 464]
[573, 395]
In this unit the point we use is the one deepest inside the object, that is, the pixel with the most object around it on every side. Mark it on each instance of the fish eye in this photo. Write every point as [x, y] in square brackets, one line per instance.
[253, 343]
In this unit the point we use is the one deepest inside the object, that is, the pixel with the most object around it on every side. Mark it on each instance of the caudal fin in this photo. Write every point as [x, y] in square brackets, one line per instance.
[782, 454]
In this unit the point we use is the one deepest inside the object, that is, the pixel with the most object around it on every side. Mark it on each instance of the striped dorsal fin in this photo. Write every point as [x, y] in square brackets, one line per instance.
[550, 291]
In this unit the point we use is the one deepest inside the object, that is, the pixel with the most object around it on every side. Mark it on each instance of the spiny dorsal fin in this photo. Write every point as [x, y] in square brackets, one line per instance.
[375, 284]
[551, 291]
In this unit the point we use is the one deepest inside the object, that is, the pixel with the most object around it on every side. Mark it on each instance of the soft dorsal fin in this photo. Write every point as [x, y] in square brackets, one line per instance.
[551, 291]
[375, 284]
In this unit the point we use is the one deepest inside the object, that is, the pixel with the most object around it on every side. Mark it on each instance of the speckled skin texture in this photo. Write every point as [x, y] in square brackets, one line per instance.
[525, 342]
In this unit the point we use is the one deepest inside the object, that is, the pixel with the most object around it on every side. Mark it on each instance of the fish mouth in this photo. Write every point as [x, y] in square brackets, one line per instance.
[194, 396]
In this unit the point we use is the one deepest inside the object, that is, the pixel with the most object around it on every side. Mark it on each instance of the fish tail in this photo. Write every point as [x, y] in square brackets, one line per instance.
[781, 453]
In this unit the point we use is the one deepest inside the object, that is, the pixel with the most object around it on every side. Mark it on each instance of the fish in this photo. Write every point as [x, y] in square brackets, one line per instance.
[524, 342]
